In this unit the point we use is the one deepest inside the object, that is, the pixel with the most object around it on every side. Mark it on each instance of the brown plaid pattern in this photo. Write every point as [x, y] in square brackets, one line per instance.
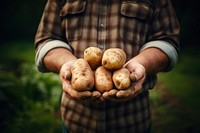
[107, 117]
[126, 24]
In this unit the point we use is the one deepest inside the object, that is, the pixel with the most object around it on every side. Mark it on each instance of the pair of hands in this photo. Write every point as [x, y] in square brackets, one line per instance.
[138, 75]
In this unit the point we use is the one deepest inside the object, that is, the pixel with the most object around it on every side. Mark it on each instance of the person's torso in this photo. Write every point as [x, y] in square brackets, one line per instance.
[107, 23]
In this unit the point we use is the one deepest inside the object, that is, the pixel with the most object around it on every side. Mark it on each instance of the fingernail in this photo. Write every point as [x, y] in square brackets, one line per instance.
[133, 76]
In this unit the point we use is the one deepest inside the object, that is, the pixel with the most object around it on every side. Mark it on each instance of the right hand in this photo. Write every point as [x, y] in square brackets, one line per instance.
[138, 76]
[65, 76]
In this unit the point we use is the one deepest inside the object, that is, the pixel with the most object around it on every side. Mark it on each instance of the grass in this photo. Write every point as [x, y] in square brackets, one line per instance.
[175, 99]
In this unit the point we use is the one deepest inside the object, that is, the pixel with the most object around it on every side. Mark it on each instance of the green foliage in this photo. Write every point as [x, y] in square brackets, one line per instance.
[29, 101]
[39, 86]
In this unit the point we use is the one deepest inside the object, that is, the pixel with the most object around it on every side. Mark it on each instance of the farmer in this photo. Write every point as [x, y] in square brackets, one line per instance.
[147, 30]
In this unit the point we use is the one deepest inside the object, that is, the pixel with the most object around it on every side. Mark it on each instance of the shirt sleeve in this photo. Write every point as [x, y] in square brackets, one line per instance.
[166, 48]
[164, 31]
[164, 26]
[50, 33]
[44, 49]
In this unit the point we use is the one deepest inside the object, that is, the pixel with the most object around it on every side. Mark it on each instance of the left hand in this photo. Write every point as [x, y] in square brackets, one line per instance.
[138, 75]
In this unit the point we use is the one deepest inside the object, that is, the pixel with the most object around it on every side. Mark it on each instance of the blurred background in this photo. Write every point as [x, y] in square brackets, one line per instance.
[30, 101]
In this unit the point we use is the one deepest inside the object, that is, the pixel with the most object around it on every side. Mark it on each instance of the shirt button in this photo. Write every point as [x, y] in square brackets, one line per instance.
[101, 46]
[102, 25]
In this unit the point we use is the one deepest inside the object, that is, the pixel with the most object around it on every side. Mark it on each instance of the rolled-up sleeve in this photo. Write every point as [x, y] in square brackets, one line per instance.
[164, 31]
[50, 33]
[166, 48]
[44, 49]
[165, 25]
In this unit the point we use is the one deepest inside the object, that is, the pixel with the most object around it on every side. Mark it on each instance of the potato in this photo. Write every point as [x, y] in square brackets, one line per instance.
[82, 76]
[121, 78]
[93, 55]
[103, 79]
[114, 58]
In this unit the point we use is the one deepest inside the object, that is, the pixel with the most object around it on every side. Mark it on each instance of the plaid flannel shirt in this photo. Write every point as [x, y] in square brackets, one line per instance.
[126, 24]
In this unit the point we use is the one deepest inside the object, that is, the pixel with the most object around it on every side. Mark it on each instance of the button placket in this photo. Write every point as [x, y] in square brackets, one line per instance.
[102, 24]
[101, 44]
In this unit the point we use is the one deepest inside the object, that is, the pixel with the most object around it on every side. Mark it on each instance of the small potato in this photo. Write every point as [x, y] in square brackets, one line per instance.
[93, 55]
[103, 79]
[82, 76]
[121, 78]
[114, 58]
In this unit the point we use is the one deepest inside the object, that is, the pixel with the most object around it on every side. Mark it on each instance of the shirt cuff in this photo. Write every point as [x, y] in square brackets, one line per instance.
[167, 48]
[44, 49]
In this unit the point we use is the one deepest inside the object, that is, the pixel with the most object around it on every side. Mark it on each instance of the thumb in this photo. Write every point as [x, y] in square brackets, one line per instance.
[133, 76]
[68, 74]
[65, 71]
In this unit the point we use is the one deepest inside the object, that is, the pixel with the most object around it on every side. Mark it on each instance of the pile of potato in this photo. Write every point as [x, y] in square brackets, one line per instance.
[102, 71]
